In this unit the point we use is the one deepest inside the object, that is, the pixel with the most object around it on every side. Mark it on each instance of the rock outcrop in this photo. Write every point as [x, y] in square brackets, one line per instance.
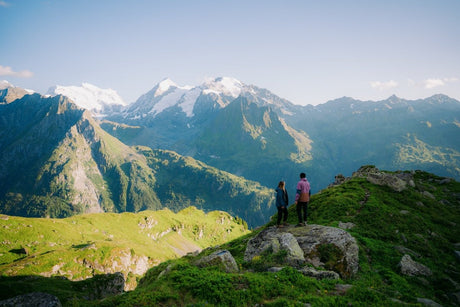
[410, 267]
[322, 246]
[222, 258]
[273, 241]
[34, 299]
[397, 182]
[107, 285]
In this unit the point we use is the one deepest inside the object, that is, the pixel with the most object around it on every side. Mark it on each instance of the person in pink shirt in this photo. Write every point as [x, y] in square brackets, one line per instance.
[302, 197]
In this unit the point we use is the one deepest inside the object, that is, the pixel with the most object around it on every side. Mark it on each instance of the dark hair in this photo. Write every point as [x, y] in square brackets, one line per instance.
[302, 175]
[281, 184]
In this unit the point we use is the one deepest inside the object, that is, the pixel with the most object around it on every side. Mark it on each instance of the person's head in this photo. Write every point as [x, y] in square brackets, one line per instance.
[302, 175]
[281, 185]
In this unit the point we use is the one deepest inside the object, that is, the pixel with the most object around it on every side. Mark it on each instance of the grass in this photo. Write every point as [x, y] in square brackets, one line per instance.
[82, 246]
[388, 225]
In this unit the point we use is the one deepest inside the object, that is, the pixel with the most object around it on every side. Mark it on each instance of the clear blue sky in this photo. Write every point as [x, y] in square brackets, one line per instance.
[306, 51]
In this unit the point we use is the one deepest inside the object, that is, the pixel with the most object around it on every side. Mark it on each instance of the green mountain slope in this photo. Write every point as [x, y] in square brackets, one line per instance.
[244, 138]
[183, 181]
[56, 161]
[82, 246]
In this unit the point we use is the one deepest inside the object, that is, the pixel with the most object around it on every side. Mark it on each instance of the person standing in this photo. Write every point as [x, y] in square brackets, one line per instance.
[302, 198]
[282, 202]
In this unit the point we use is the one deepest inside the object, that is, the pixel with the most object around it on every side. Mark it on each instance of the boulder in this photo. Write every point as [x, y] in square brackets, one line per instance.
[312, 272]
[410, 267]
[428, 302]
[34, 299]
[397, 182]
[271, 240]
[222, 258]
[328, 247]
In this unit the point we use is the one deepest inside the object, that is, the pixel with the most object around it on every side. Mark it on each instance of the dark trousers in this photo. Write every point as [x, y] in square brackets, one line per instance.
[302, 207]
[282, 213]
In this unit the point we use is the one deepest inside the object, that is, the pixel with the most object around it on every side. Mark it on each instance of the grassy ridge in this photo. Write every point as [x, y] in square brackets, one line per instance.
[388, 224]
[421, 221]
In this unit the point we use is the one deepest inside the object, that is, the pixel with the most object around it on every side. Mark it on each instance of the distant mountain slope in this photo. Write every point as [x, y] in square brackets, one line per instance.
[394, 134]
[183, 181]
[56, 161]
[222, 122]
[323, 140]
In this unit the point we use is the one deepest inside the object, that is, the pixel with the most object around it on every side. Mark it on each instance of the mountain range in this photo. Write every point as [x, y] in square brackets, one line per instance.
[56, 161]
[251, 132]
[218, 145]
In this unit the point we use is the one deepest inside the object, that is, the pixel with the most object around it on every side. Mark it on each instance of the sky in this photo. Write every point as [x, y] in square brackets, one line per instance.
[308, 52]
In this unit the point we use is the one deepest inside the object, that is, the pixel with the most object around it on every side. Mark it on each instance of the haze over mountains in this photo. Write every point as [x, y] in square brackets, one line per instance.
[60, 162]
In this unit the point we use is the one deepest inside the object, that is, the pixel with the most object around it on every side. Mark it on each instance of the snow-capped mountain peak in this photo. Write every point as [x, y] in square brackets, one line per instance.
[5, 84]
[224, 86]
[89, 96]
[213, 93]
[164, 86]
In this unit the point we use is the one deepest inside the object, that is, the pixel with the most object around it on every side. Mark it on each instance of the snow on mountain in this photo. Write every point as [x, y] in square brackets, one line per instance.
[221, 91]
[5, 84]
[164, 86]
[224, 86]
[89, 96]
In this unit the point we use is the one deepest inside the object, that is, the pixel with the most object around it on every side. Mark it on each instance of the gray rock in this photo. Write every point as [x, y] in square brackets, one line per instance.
[405, 250]
[275, 269]
[428, 194]
[428, 302]
[342, 289]
[457, 255]
[410, 267]
[398, 182]
[403, 237]
[270, 239]
[166, 271]
[445, 181]
[221, 258]
[313, 239]
[309, 271]
[348, 225]
[34, 299]
[308, 244]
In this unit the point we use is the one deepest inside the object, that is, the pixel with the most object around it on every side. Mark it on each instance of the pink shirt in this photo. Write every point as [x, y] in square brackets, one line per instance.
[303, 186]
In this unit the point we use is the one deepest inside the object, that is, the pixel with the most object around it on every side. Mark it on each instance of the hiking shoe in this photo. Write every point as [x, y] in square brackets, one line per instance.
[280, 226]
[299, 225]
